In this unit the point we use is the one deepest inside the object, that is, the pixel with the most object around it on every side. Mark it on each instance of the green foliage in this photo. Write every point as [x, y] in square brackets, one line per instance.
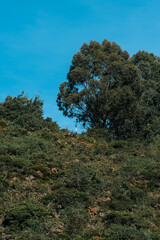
[3, 123]
[83, 189]
[52, 126]
[103, 89]
[84, 178]
[149, 66]
[55, 184]
[39, 170]
[119, 232]
[120, 202]
[65, 197]
[21, 110]
[23, 214]
[99, 133]
[75, 219]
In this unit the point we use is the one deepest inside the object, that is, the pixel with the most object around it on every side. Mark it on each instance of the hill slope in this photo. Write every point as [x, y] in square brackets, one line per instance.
[58, 185]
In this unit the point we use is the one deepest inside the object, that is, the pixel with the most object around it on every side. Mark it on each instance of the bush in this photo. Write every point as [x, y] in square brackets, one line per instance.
[39, 168]
[65, 197]
[119, 232]
[101, 147]
[23, 214]
[99, 134]
[3, 123]
[75, 218]
[115, 217]
[84, 178]
[120, 202]
[118, 144]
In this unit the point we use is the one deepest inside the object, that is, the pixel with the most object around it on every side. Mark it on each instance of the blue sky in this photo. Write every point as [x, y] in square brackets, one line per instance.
[38, 39]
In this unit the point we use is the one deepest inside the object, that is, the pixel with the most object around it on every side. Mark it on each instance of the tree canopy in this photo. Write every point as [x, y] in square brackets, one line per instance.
[27, 113]
[149, 68]
[103, 89]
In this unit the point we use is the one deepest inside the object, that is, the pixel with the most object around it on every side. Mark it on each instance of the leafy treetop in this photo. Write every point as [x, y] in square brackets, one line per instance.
[103, 89]
[23, 111]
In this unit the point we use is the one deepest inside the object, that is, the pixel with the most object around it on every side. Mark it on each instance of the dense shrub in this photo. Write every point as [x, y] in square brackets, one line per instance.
[65, 197]
[23, 214]
[120, 232]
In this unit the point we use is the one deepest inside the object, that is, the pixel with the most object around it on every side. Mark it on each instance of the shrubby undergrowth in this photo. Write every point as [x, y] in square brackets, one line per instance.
[64, 186]
[58, 185]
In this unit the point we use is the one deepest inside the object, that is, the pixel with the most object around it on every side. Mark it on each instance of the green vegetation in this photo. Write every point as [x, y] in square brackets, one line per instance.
[107, 89]
[58, 185]
[103, 184]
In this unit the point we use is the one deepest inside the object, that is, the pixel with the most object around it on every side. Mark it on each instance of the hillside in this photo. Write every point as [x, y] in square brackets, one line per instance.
[58, 185]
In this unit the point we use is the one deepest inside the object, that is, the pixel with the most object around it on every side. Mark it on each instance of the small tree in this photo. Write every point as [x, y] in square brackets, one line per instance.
[23, 111]
[103, 89]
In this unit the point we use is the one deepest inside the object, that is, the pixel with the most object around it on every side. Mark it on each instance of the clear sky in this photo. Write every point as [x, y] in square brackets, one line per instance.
[38, 39]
